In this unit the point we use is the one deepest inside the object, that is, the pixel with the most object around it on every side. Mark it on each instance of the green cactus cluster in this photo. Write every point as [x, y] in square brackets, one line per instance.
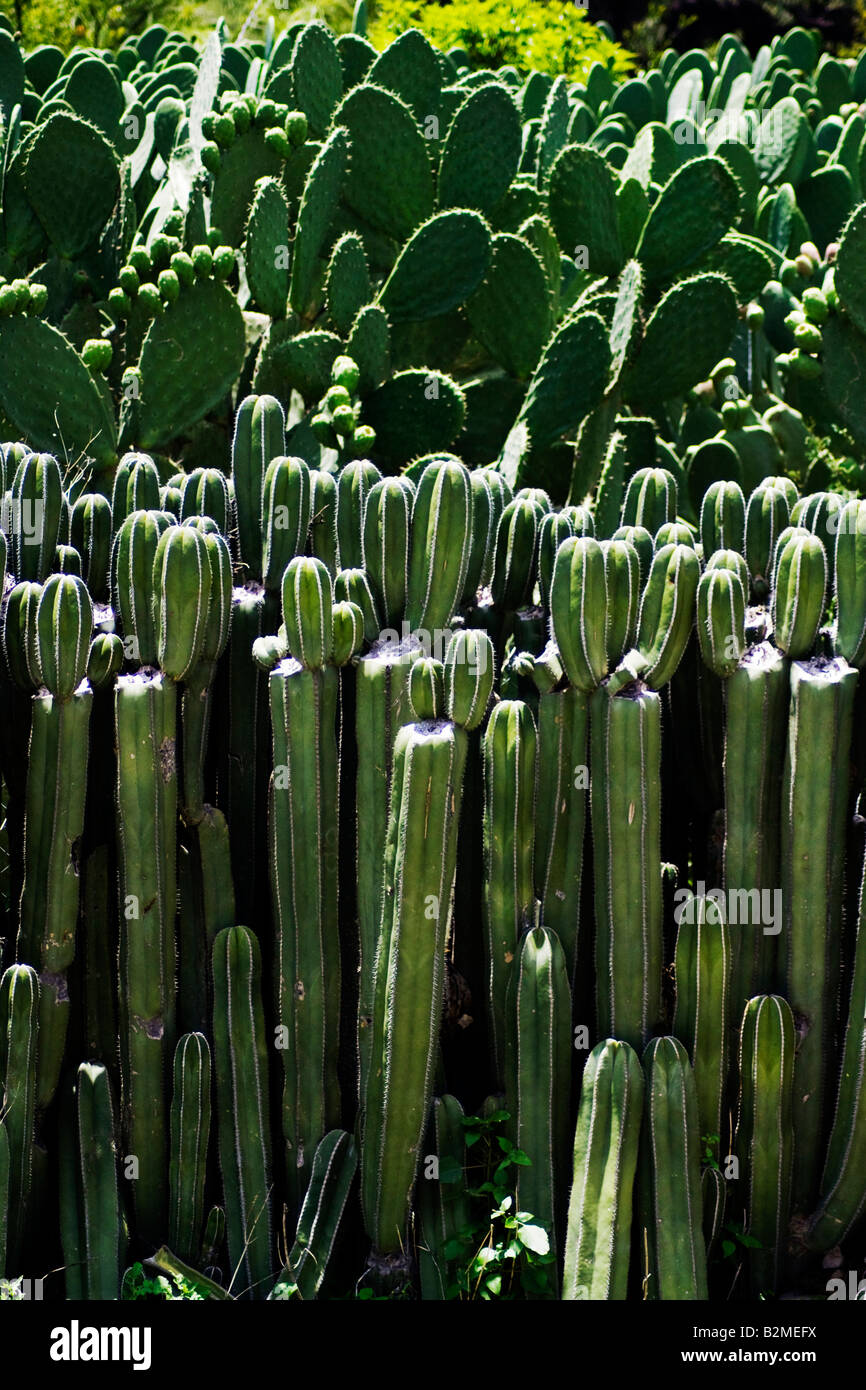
[414, 260]
[433, 609]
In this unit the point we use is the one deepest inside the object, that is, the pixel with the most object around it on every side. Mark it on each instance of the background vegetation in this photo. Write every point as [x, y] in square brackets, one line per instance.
[540, 32]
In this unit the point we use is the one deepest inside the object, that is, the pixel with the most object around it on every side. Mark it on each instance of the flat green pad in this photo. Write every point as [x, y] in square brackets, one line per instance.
[390, 180]
[850, 277]
[481, 151]
[583, 208]
[687, 334]
[246, 161]
[439, 267]
[72, 180]
[569, 382]
[49, 394]
[191, 356]
[691, 216]
[409, 67]
[317, 75]
[511, 314]
[316, 217]
[415, 413]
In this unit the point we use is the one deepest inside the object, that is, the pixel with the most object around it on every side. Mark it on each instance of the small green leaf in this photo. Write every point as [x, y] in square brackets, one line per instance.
[534, 1238]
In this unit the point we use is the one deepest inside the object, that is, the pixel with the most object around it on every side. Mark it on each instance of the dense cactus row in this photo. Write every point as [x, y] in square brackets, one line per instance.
[358, 793]
[420, 800]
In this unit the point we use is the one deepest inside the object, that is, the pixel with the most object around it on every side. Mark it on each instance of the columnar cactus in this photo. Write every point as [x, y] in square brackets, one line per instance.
[304, 843]
[382, 706]
[190, 1133]
[90, 1207]
[443, 1202]
[145, 723]
[702, 1015]
[509, 750]
[333, 1172]
[540, 1080]
[243, 1112]
[420, 860]
[19, 1033]
[765, 1132]
[670, 1180]
[755, 693]
[605, 1162]
[814, 803]
[58, 638]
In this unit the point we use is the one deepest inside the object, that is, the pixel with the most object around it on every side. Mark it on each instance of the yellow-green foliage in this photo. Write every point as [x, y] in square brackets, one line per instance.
[553, 37]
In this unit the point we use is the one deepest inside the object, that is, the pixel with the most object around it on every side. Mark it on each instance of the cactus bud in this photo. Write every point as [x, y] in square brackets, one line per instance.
[667, 611]
[308, 611]
[721, 620]
[578, 611]
[850, 635]
[651, 499]
[348, 632]
[427, 688]
[104, 660]
[723, 517]
[470, 668]
[798, 594]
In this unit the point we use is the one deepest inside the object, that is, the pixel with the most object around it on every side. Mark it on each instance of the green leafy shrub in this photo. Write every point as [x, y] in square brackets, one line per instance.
[552, 38]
